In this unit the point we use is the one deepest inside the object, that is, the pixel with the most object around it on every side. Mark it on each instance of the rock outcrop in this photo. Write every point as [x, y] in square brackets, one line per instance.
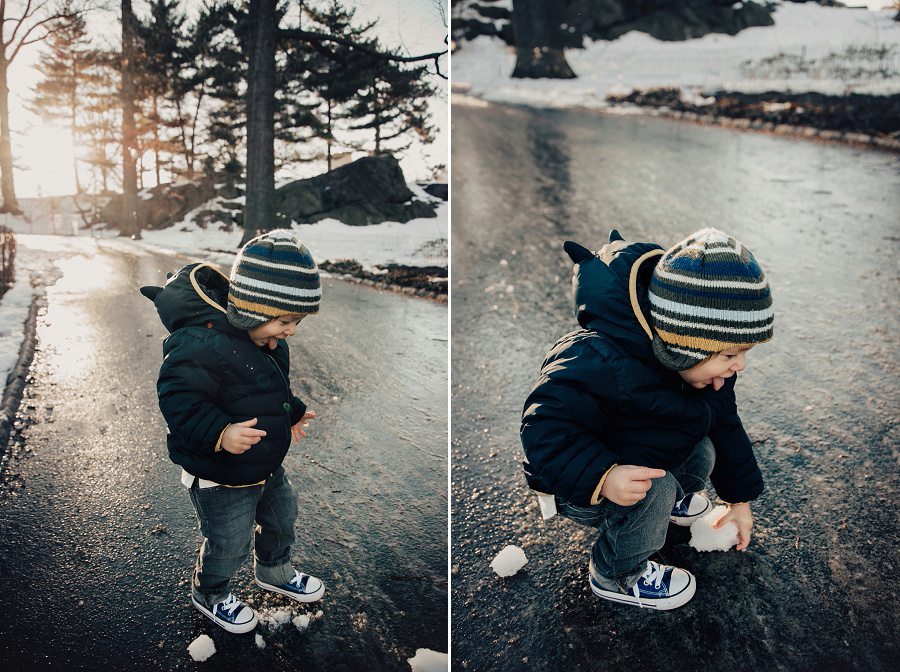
[368, 191]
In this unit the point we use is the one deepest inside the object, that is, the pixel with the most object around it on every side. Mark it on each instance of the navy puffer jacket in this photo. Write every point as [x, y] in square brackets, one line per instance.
[602, 398]
[212, 376]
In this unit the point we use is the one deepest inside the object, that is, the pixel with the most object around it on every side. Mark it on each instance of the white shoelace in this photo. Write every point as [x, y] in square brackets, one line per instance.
[654, 573]
[298, 578]
[229, 604]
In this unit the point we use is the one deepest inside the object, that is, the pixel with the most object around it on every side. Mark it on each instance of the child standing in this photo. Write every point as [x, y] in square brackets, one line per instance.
[225, 395]
[632, 413]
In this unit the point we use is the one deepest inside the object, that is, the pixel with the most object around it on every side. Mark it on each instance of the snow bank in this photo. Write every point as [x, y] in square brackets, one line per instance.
[35, 271]
[509, 561]
[418, 242]
[202, 648]
[427, 660]
[808, 49]
[704, 537]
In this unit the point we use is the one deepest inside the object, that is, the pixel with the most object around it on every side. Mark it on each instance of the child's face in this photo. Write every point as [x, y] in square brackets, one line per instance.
[716, 368]
[275, 330]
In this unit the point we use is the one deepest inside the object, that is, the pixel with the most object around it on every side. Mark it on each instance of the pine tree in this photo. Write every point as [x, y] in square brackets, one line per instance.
[394, 104]
[163, 82]
[337, 73]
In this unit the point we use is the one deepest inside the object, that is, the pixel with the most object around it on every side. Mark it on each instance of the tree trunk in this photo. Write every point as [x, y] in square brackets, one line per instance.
[7, 184]
[259, 211]
[130, 225]
[156, 167]
[539, 49]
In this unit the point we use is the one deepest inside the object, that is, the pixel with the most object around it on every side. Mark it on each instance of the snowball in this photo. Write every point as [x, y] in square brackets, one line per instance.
[260, 642]
[301, 622]
[427, 660]
[202, 648]
[509, 561]
[706, 538]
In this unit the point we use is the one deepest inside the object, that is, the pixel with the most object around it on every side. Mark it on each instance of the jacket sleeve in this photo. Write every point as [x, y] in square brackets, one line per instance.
[189, 379]
[736, 475]
[561, 425]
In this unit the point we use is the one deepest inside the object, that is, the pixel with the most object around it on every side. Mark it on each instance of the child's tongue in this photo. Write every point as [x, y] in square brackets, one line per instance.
[272, 342]
[717, 383]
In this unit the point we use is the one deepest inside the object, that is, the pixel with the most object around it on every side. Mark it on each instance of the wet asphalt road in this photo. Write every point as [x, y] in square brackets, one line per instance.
[99, 537]
[814, 591]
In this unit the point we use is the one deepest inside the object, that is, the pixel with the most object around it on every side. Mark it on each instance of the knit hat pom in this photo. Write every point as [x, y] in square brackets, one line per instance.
[273, 275]
[707, 294]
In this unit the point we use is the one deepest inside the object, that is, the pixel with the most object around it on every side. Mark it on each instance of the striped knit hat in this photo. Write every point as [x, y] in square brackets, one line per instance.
[707, 294]
[273, 275]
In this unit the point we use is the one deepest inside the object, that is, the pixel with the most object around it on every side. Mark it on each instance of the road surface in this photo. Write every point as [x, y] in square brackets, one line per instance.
[820, 402]
[99, 537]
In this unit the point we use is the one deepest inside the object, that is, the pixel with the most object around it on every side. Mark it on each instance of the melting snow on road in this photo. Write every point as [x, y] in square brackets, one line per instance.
[202, 648]
[509, 561]
[427, 660]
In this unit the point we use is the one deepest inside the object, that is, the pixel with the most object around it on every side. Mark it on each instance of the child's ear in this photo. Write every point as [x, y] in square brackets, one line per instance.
[614, 236]
[576, 252]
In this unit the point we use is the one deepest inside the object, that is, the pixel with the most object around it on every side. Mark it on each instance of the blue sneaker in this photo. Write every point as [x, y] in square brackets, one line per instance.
[230, 613]
[689, 509]
[660, 587]
[303, 587]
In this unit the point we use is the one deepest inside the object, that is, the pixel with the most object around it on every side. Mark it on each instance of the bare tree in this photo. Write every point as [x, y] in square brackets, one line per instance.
[22, 23]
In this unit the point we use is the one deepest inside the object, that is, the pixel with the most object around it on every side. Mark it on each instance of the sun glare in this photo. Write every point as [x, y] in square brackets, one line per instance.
[48, 155]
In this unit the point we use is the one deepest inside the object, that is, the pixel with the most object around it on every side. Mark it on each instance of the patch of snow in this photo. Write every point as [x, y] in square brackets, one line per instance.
[301, 622]
[704, 537]
[202, 648]
[509, 561]
[260, 642]
[35, 270]
[427, 660]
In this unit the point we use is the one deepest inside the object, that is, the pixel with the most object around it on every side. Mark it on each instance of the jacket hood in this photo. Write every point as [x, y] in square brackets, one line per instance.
[610, 290]
[196, 295]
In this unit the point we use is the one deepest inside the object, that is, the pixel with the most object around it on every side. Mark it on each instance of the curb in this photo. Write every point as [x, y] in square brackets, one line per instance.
[744, 124]
[15, 382]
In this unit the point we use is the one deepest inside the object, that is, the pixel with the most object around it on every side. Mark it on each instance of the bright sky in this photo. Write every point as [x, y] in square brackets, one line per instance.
[44, 155]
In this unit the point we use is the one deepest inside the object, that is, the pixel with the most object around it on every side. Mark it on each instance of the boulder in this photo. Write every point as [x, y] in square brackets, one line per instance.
[370, 190]
[161, 206]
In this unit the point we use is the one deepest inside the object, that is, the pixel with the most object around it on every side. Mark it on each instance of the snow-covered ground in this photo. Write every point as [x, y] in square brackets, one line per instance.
[810, 48]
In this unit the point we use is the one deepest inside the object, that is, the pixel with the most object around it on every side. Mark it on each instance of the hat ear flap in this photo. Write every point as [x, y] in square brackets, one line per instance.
[576, 252]
[151, 292]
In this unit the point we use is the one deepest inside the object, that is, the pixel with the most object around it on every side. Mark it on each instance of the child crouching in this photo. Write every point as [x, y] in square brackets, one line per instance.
[631, 414]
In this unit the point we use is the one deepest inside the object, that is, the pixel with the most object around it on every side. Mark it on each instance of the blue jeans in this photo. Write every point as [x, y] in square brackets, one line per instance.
[631, 534]
[228, 518]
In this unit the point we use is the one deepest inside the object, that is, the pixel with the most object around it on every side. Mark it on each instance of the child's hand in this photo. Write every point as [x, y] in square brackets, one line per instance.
[238, 438]
[627, 484]
[297, 430]
[740, 515]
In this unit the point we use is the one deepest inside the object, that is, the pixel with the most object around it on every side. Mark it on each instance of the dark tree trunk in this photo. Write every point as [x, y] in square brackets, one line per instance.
[130, 225]
[539, 45]
[7, 184]
[259, 211]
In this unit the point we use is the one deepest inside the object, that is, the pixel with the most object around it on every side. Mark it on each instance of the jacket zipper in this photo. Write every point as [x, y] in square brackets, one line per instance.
[287, 386]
